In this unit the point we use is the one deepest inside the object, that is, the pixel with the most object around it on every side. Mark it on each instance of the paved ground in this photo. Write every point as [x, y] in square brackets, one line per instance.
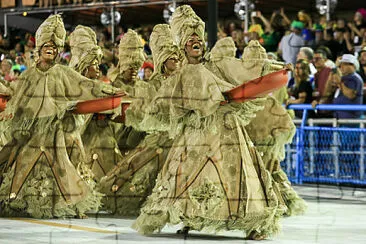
[335, 215]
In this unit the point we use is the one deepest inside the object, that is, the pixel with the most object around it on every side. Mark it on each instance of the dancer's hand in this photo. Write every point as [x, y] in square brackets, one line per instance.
[289, 67]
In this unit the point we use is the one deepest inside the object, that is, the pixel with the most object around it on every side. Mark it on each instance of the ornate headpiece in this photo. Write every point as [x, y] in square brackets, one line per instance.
[131, 52]
[52, 29]
[162, 46]
[224, 47]
[185, 23]
[254, 50]
[84, 48]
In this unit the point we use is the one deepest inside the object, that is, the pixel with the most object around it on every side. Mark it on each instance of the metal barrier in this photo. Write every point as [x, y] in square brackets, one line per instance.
[327, 150]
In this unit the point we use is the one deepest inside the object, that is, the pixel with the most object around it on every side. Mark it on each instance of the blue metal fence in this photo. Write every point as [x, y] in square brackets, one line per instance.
[332, 153]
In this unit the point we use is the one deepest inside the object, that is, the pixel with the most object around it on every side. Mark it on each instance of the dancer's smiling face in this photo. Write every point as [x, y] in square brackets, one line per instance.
[171, 64]
[129, 75]
[48, 51]
[194, 46]
[92, 72]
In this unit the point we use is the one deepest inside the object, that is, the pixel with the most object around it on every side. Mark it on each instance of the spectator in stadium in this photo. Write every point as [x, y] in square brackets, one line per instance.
[340, 24]
[306, 53]
[344, 45]
[272, 56]
[302, 90]
[16, 73]
[255, 32]
[232, 26]
[331, 43]
[305, 18]
[323, 89]
[362, 61]
[270, 38]
[6, 71]
[306, 32]
[145, 35]
[328, 62]
[12, 55]
[280, 22]
[238, 38]
[358, 28]
[290, 44]
[349, 91]
[148, 70]
[29, 51]
[349, 86]
[364, 40]
[19, 60]
[220, 31]
[318, 36]
[5, 43]
[19, 48]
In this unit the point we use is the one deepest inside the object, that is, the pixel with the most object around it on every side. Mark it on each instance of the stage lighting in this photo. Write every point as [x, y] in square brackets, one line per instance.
[322, 6]
[240, 8]
[168, 11]
[106, 18]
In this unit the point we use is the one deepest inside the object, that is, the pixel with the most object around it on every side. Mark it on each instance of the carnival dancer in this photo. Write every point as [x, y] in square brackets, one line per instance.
[213, 178]
[272, 128]
[5, 93]
[99, 135]
[124, 76]
[127, 186]
[40, 179]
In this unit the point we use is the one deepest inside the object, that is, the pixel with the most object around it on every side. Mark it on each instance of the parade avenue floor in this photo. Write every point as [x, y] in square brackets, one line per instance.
[335, 215]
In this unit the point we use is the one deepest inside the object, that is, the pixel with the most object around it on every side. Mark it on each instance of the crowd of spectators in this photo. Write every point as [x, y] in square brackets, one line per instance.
[329, 56]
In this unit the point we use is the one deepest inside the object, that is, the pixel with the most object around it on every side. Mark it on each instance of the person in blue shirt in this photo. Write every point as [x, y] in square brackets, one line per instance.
[349, 86]
[349, 91]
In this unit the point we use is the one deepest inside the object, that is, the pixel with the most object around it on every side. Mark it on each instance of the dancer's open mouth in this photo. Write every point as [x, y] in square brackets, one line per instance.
[196, 46]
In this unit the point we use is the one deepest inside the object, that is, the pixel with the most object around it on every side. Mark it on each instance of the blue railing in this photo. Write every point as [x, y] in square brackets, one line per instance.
[333, 153]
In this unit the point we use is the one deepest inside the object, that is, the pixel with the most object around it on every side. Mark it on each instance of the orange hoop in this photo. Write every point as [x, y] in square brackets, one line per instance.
[258, 87]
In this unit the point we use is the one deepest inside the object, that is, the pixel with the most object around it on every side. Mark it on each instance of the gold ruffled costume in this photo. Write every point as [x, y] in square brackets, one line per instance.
[99, 135]
[132, 187]
[272, 128]
[213, 178]
[133, 179]
[131, 55]
[40, 178]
